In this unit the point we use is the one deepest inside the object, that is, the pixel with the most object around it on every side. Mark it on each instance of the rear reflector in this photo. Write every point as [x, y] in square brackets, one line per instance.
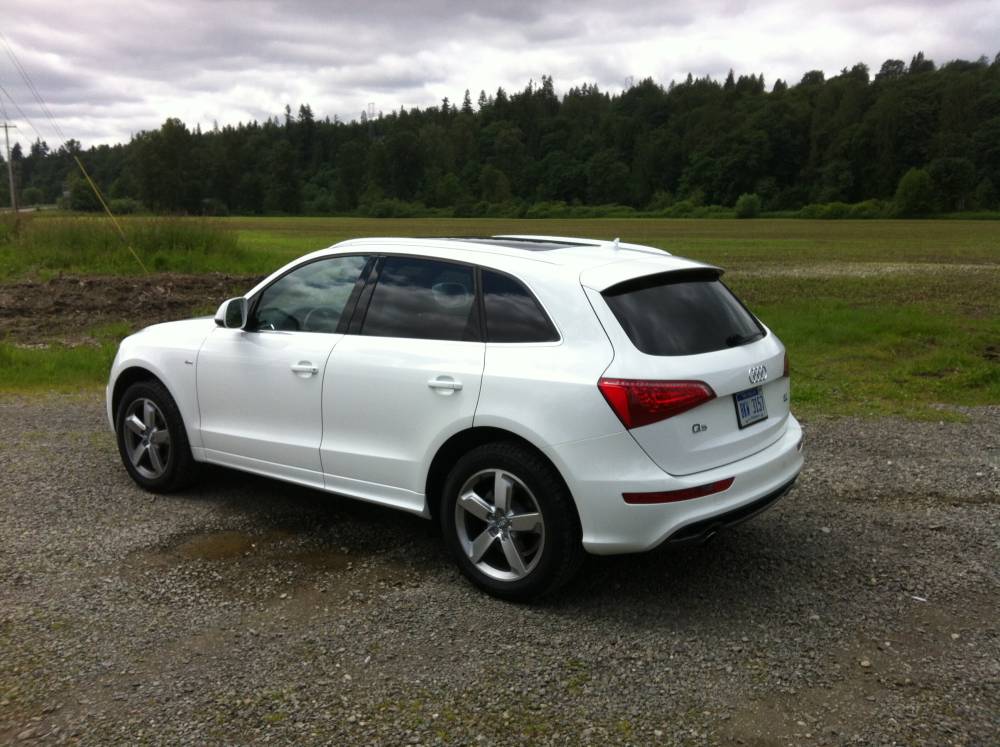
[684, 494]
[639, 403]
[786, 368]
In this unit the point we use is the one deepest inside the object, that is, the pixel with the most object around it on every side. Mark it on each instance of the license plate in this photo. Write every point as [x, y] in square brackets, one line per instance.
[750, 406]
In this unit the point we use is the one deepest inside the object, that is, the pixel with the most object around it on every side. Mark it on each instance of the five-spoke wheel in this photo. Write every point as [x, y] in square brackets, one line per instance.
[499, 524]
[510, 521]
[151, 438]
[147, 438]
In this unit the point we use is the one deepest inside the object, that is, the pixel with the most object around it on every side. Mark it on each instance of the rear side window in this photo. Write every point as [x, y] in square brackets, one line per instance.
[512, 313]
[681, 313]
[423, 298]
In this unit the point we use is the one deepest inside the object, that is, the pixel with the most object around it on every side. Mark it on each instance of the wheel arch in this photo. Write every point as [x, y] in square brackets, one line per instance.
[128, 377]
[464, 441]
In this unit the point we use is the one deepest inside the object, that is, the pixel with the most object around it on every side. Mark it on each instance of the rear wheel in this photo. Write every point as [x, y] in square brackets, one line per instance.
[152, 439]
[510, 522]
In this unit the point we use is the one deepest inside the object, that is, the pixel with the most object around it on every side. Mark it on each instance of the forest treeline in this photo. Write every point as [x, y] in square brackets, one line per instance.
[911, 139]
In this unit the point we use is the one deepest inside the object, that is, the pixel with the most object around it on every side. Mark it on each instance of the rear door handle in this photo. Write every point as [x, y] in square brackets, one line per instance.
[304, 367]
[445, 383]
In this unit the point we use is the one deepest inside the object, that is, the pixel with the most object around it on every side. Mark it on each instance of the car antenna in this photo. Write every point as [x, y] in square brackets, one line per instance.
[614, 244]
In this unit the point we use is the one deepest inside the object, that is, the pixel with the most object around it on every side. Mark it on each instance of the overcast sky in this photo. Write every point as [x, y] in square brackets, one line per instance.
[111, 69]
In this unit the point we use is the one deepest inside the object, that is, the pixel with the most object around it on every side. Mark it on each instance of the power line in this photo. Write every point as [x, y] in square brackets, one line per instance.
[31, 86]
[21, 112]
[55, 125]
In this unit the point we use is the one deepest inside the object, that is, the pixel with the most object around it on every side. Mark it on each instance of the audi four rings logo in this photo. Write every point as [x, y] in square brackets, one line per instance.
[757, 374]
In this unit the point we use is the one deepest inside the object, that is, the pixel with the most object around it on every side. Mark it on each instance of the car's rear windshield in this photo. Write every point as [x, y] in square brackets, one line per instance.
[681, 313]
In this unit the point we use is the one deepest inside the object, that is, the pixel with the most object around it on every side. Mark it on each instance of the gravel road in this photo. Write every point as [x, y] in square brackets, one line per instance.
[863, 609]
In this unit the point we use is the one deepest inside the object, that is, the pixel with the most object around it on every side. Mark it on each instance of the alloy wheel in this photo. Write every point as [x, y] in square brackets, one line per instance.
[499, 525]
[147, 438]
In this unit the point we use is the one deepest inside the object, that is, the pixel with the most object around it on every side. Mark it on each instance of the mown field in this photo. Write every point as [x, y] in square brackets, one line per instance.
[880, 317]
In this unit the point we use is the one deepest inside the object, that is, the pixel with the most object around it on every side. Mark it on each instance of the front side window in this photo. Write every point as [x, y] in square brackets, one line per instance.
[423, 298]
[512, 313]
[310, 298]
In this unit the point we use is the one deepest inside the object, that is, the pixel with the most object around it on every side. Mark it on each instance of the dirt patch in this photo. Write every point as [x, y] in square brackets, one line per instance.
[865, 269]
[70, 309]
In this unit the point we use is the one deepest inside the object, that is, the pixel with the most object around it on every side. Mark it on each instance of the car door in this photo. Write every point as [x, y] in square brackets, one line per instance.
[406, 381]
[260, 388]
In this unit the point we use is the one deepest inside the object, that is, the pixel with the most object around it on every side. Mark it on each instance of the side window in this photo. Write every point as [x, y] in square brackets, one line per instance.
[512, 313]
[423, 298]
[310, 298]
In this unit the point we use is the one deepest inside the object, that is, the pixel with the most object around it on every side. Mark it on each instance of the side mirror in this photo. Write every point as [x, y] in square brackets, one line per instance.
[232, 314]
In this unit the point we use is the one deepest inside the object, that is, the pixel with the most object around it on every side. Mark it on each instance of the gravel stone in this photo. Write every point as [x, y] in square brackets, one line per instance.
[247, 610]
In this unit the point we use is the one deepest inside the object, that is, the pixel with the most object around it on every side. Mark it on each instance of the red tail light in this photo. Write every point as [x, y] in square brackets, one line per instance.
[785, 372]
[684, 494]
[638, 403]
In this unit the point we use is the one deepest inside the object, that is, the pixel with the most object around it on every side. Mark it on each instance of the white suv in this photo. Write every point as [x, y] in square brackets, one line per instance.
[537, 396]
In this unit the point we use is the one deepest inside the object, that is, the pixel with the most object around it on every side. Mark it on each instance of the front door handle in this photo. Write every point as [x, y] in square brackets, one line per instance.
[304, 367]
[445, 382]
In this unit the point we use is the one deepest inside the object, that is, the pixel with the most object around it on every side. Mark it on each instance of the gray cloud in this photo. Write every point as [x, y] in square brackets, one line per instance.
[110, 69]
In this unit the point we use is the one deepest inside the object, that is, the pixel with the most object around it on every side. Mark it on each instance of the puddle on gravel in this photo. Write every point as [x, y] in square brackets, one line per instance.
[232, 546]
[233, 559]
[217, 546]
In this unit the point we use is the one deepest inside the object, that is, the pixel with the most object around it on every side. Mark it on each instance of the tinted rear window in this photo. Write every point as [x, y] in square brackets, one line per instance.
[681, 313]
[512, 313]
[423, 298]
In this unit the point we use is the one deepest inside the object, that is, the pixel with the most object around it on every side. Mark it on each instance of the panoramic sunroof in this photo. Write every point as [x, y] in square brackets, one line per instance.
[531, 245]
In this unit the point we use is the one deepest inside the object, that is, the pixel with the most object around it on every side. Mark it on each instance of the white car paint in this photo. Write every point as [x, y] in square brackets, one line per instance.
[367, 425]
[385, 416]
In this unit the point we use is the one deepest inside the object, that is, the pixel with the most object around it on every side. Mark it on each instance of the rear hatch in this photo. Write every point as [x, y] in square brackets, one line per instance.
[684, 325]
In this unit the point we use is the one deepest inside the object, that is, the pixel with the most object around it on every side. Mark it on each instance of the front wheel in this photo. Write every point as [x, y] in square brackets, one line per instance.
[510, 522]
[152, 439]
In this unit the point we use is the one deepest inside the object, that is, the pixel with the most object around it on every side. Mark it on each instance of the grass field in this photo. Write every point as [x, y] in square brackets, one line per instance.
[879, 316]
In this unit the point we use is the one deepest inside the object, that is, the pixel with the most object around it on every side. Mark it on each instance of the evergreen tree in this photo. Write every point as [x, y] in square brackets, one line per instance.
[847, 138]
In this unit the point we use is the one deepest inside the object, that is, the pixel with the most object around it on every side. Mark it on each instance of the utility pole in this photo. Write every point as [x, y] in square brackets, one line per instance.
[10, 167]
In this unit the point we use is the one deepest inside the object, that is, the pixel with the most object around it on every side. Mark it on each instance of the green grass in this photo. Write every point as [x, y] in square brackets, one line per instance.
[902, 360]
[54, 368]
[44, 246]
[880, 317]
[61, 368]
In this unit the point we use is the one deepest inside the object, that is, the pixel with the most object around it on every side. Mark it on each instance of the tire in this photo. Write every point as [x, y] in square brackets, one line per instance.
[164, 462]
[546, 538]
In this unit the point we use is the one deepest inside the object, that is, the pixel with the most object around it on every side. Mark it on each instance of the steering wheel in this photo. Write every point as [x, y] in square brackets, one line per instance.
[321, 319]
[276, 319]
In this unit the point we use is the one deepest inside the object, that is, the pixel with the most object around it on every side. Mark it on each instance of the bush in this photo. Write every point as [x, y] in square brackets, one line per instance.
[914, 195]
[390, 207]
[986, 195]
[748, 206]
[125, 206]
[560, 209]
[213, 206]
[465, 207]
[869, 209]
[32, 196]
[81, 196]
[838, 210]
[681, 209]
[660, 200]
[687, 209]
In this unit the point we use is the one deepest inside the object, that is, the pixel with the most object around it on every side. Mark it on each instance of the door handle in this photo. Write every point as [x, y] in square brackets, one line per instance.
[445, 383]
[305, 368]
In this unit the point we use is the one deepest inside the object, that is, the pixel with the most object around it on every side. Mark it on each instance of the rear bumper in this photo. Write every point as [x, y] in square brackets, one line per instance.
[599, 470]
[700, 531]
